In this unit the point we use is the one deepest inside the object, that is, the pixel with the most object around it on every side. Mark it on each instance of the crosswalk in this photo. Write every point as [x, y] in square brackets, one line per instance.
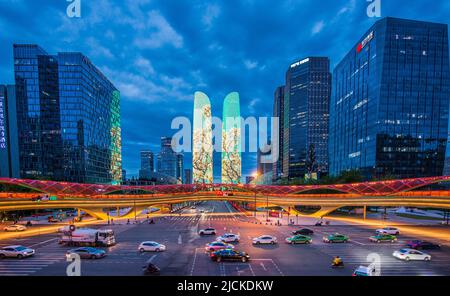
[198, 219]
[28, 266]
[389, 265]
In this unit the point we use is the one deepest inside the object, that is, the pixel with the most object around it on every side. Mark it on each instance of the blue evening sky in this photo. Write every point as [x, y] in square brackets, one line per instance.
[159, 52]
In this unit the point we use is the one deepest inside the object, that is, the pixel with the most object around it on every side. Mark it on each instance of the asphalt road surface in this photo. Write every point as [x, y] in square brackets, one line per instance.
[185, 255]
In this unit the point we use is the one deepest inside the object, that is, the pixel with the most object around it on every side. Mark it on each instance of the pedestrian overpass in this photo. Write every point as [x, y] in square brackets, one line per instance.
[95, 198]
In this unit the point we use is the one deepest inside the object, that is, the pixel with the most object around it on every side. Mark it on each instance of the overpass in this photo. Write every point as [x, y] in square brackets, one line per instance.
[94, 198]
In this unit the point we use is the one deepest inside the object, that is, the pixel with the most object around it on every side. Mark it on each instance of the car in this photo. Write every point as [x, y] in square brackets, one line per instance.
[216, 246]
[389, 230]
[363, 271]
[193, 207]
[18, 252]
[14, 228]
[303, 231]
[411, 254]
[299, 239]
[87, 253]
[383, 238]
[202, 211]
[265, 240]
[229, 237]
[151, 247]
[229, 255]
[207, 231]
[336, 238]
[52, 220]
[422, 245]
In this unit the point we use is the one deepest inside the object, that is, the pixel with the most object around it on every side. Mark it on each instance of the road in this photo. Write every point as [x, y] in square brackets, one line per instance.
[186, 255]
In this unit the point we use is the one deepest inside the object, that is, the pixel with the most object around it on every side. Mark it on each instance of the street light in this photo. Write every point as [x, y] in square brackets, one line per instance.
[255, 175]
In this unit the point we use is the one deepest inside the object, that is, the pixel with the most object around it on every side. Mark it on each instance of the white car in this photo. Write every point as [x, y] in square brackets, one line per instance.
[389, 230]
[15, 228]
[229, 238]
[207, 231]
[411, 254]
[151, 247]
[18, 252]
[265, 239]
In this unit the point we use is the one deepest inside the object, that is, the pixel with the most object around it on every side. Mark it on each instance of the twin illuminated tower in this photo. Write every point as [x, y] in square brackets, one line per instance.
[202, 158]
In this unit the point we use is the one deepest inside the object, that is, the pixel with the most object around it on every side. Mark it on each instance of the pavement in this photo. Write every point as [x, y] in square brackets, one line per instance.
[185, 255]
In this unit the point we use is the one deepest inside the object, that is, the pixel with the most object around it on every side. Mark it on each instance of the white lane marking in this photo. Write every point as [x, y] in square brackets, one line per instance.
[358, 243]
[251, 269]
[193, 263]
[41, 243]
[263, 266]
[152, 258]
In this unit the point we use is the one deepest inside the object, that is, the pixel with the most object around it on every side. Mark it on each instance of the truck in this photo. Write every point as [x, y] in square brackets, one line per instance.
[88, 237]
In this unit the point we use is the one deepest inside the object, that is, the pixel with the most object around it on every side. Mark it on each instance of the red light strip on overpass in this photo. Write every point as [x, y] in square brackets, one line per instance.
[381, 188]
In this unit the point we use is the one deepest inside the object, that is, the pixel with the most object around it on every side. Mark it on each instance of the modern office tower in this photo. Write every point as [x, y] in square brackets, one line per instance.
[68, 117]
[170, 163]
[124, 176]
[278, 112]
[187, 176]
[180, 168]
[202, 152]
[390, 102]
[307, 95]
[264, 166]
[147, 165]
[9, 145]
[249, 179]
[231, 140]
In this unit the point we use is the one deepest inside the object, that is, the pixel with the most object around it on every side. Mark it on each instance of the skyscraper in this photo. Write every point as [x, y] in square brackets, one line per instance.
[390, 103]
[231, 140]
[202, 150]
[264, 167]
[278, 112]
[187, 176]
[9, 145]
[170, 163]
[307, 95]
[147, 165]
[68, 116]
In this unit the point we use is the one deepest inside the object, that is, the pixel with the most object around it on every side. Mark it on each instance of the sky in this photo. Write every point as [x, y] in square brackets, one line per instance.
[159, 52]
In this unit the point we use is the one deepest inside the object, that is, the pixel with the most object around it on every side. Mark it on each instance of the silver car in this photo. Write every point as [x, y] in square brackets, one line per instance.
[18, 252]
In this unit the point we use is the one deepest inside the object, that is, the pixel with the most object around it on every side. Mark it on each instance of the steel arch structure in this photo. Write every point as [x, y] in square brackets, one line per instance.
[379, 188]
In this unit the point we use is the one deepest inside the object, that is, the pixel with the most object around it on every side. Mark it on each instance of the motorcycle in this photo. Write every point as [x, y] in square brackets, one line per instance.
[339, 265]
[151, 269]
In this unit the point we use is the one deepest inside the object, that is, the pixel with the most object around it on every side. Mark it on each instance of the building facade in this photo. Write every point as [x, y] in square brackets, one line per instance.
[390, 102]
[264, 166]
[170, 163]
[147, 164]
[231, 140]
[187, 176]
[68, 116]
[306, 114]
[202, 145]
[9, 145]
[278, 112]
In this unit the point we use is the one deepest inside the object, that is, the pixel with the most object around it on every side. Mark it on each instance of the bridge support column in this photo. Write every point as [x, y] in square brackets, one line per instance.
[365, 212]
[118, 212]
[78, 214]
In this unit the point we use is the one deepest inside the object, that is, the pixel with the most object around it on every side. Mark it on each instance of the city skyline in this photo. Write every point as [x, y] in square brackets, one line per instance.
[259, 60]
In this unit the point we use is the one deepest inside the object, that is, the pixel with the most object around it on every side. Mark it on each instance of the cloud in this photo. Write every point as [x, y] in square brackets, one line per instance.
[250, 65]
[212, 11]
[161, 33]
[144, 65]
[318, 27]
[98, 50]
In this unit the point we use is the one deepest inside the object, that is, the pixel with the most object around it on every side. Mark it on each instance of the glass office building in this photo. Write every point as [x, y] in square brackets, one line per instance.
[390, 101]
[307, 95]
[278, 112]
[170, 163]
[9, 145]
[68, 118]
